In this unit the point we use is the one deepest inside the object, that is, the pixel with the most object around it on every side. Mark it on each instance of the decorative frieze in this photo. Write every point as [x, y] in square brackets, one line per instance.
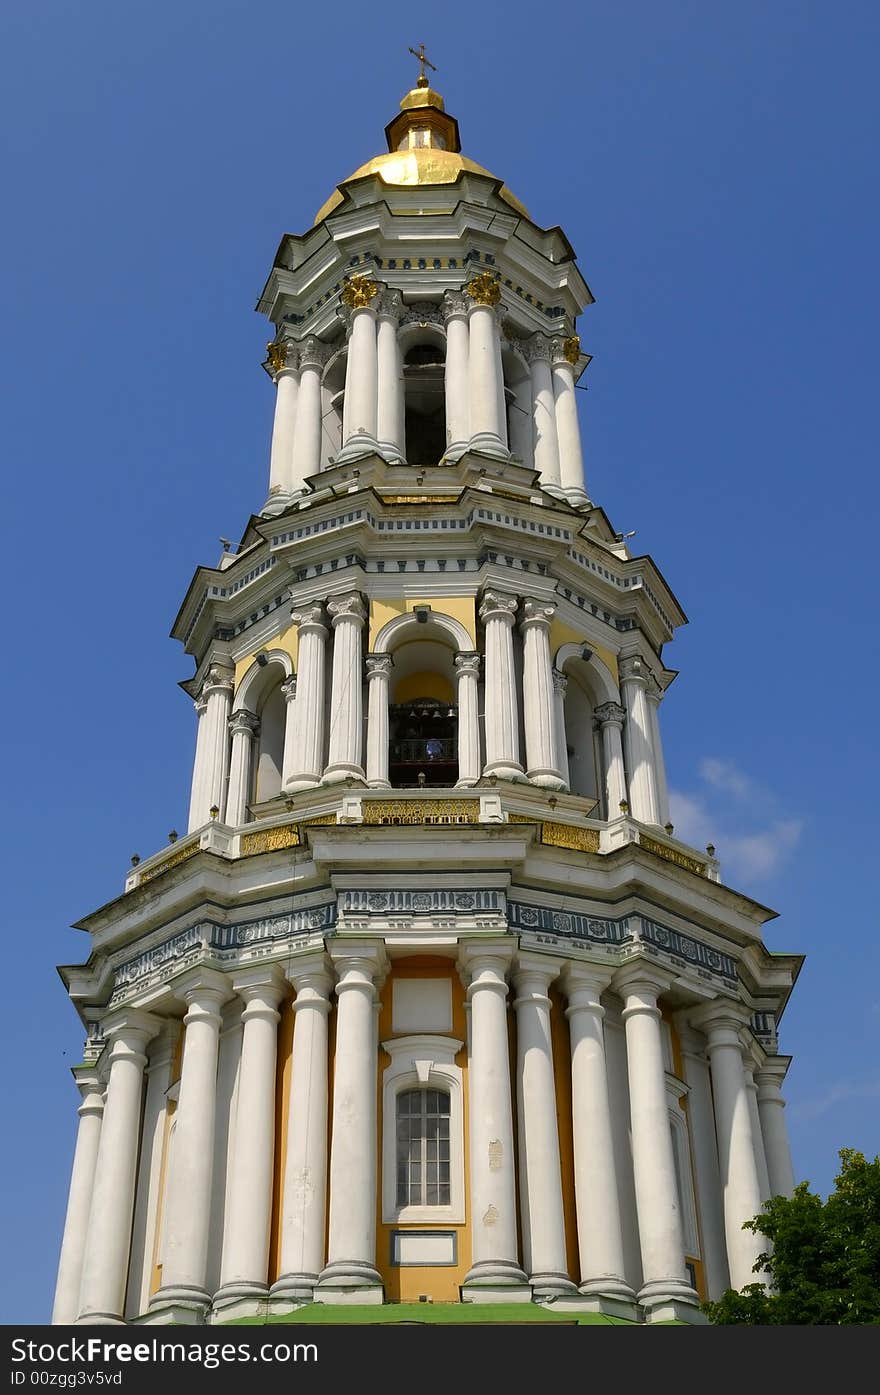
[173, 859]
[270, 840]
[404, 902]
[424, 811]
[690, 864]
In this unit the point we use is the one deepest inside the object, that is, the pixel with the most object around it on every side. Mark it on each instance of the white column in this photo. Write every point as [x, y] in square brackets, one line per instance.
[770, 1109]
[540, 1171]
[494, 1255]
[654, 696]
[188, 1187]
[245, 1262]
[457, 383]
[539, 699]
[307, 436]
[346, 692]
[105, 1260]
[722, 1023]
[566, 355]
[467, 672]
[360, 409]
[634, 676]
[307, 743]
[146, 1209]
[560, 683]
[757, 1137]
[488, 425]
[351, 1254]
[378, 678]
[243, 727]
[502, 718]
[704, 1150]
[198, 798]
[212, 747]
[288, 759]
[284, 363]
[661, 1241]
[546, 441]
[390, 419]
[303, 1203]
[600, 1239]
[79, 1197]
[611, 716]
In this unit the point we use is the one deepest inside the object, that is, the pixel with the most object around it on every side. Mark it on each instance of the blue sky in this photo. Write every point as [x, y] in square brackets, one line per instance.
[714, 167]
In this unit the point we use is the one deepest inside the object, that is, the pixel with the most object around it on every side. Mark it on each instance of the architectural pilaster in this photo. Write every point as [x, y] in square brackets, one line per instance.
[245, 1261]
[79, 1197]
[771, 1106]
[540, 1172]
[560, 684]
[600, 1240]
[188, 1188]
[665, 1287]
[497, 613]
[288, 758]
[346, 694]
[641, 779]
[391, 426]
[723, 1021]
[360, 408]
[704, 1150]
[611, 716]
[307, 436]
[539, 702]
[243, 728]
[467, 673]
[378, 679]
[457, 385]
[212, 746]
[566, 354]
[307, 746]
[105, 1259]
[284, 363]
[546, 440]
[351, 1253]
[495, 1260]
[488, 424]
[303, 1201]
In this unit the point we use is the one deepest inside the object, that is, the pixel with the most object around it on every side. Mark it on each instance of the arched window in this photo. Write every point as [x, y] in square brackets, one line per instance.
[423, 1147]
[270, 748]
[423, 716]
[425, 402]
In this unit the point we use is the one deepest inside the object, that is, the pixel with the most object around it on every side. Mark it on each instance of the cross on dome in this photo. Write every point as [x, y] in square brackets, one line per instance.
[424, 62]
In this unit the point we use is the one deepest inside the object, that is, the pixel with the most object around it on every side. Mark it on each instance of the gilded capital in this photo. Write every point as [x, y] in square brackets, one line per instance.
[571, 348]
[358, 292]
[281, 353]
[484, 289]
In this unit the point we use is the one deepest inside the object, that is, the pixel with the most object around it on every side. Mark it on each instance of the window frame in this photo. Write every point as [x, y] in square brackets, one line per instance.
[423, 1062]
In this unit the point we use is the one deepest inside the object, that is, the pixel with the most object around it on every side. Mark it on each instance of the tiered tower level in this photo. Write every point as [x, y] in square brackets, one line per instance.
[429, 1001]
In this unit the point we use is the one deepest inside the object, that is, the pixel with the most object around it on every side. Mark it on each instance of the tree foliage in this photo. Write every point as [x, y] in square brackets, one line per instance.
[823, 1257]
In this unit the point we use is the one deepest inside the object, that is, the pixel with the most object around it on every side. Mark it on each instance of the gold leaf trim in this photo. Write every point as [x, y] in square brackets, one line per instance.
[319, 818]
[566, 835]
[690, 864]
[270, 840]
[172, 860]
[404, 811]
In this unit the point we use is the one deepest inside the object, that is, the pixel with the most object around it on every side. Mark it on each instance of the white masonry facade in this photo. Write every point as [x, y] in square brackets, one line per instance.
[429, 1001]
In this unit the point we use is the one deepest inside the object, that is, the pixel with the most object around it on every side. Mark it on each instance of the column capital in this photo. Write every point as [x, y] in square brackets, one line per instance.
[536, 613]
[494, 605]
[259, 984]
[379, 665]
[129, 1028]
[358, 963]
[537, 348]
[467, 661]
[583, 986]
[723, 1022]
[455, 305]
[91, 1088]
[640, 985]
[313, 353]
[350, 607]
[566, 349]
[282, 355]
[610, 714]
[201, 705]
[484, 290]
[312, 980]
[532, 976]
[769, 1077]
[359, 292]
[389, 304]
[633, 669]
[288, 688]
[245, 722]
[486, 961]
[309, 618]
[204, 991]
[218, 679]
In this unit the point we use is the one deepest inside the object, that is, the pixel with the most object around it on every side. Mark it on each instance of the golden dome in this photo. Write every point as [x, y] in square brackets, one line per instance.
[423, 149]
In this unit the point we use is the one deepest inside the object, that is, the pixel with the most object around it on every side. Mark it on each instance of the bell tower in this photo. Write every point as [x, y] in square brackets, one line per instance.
[429, 1001]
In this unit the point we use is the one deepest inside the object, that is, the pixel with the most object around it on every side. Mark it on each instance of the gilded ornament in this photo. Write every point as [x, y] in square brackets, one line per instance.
[571, 348]
[484, 289]
[270, 840]
[276, 352]
[320, 819]
[172, 860]
[358, 292]
[680, 859]
[567, 835]
[405, 811]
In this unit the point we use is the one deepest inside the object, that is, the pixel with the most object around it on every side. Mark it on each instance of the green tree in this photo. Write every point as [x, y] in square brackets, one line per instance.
[825, 1256]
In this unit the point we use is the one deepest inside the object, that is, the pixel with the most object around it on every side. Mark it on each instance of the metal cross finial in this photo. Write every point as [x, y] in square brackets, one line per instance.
[424, 62]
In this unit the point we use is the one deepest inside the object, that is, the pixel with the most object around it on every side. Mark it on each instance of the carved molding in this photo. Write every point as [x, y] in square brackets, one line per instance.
[347, 608]
[379, 665]
[610, 713]
[468, 662]
[244, 721]
[270, 840]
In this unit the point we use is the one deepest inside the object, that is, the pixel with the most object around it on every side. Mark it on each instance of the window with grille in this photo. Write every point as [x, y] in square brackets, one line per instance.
[423, 1148]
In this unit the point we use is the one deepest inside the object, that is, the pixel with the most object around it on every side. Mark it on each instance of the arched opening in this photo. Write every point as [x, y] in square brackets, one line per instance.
[269, 754]
[332, 400]
[584, 759]
[425, 401]
[423, 716]
[518, 406]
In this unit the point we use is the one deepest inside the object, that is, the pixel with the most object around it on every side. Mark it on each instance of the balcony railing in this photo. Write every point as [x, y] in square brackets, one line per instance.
[434, 750]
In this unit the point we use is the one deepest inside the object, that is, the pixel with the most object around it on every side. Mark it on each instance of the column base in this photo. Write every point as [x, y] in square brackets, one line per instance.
[504, 770]
[578, 498]
[182, 1304]
[100, 1320]
[485, 444]
[349, 1281]
[379, 784]
[292, 1291]
[240, 1300]
[597, 1303]
[670, 1300]
[356, 447]
[551, 1285]
[301, 782]
[276, 503]
[556, 490]
[454, 451]
[390, 453]
[337, 773]
[502, 1275]
[547, 779]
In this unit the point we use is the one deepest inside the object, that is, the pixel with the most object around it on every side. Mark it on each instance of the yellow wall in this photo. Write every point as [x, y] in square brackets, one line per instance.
[461, 608]
[176, 1066]
[288, 642]
[560, 634]
[405, 1284]
[283, 1073]
[424, 685]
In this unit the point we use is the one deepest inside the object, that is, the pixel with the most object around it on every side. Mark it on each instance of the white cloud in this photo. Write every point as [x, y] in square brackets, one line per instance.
[837, 1094]
[739, 817]
[723, 775]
